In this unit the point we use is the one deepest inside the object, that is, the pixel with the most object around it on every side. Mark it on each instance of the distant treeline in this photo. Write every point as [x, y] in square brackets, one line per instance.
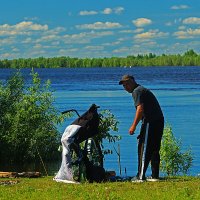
[189, 58]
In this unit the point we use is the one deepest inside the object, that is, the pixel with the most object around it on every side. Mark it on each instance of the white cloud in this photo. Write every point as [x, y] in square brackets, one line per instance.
[22, 28]
[80, 38]
[151, 43]
[121, 50]
[126, 31]
[35, 43]
[191, 20]
[14, 49]
[107, 11]
[140, 22]
[66, 51]
[37, 53]
[187, 34]
[37, 46]
[57, 30]
[27, 25]
[100, 25]
[182, 47]
[138, 30]
[47, 38]
[151, 34]
[179, 7]
[85, 12]
[7, 55]
[27, 40]
[118, 10]
[84, 37]
[94, 48]
[111, 43]
[7, 41]
[6, 33]
[146, 44]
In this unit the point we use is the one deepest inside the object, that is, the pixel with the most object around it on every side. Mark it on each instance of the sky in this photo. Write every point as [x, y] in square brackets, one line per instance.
[97, 28]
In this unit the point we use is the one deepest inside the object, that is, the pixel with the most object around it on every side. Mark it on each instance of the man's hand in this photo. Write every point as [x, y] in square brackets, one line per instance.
[132, 130]
[138, 117]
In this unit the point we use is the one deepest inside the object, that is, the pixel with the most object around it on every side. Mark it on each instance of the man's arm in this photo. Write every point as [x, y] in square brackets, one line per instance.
[138, 117]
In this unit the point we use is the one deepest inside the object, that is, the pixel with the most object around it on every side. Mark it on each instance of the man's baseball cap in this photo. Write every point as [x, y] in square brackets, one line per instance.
[126, 78]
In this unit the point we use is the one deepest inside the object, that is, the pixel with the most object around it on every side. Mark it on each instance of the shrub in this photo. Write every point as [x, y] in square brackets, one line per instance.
[107, 126]
[28, 120]
[173, 160]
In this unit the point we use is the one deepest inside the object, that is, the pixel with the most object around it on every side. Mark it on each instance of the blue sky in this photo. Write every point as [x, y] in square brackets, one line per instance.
[101, 28]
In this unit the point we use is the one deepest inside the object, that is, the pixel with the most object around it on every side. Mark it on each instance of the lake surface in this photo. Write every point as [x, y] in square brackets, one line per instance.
[177, 89]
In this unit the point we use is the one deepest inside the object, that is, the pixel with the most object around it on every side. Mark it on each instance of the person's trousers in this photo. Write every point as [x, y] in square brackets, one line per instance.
[149, 142]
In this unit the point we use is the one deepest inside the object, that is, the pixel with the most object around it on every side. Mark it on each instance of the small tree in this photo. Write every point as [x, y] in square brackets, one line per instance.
[173, 160]
[27, 120]
[108, 124]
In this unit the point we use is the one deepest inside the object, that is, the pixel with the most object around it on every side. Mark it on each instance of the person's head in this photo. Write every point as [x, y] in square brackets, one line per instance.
[128, 83]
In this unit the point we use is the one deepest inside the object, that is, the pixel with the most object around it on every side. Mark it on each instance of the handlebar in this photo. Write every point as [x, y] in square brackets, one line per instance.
[72, 110]
[93, 106]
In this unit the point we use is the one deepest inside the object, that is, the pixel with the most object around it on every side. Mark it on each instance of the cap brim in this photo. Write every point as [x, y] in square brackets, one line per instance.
[122, 81]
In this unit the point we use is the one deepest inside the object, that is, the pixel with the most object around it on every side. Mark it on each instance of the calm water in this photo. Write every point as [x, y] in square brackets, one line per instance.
[177, 89]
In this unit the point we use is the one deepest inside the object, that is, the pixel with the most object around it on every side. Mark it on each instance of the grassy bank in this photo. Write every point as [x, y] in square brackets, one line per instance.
[45, 188]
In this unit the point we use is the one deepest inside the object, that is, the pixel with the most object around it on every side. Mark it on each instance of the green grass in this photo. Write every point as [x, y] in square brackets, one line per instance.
[45, 188]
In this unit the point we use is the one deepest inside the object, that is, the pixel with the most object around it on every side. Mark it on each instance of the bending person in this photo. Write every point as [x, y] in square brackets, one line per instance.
[149, 111]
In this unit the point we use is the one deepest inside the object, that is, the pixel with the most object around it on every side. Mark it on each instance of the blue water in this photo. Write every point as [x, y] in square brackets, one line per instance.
[177, 89]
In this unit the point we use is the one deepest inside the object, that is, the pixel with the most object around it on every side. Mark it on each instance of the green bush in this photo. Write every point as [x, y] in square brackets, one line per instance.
[107, 126]
[173, 160]
[27, 120]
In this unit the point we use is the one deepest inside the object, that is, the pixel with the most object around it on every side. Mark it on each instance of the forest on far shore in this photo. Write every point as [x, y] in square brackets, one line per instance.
[189, 58]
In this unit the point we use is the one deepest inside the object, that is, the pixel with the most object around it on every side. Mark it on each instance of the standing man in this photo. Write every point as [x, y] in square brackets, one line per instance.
[149, 111]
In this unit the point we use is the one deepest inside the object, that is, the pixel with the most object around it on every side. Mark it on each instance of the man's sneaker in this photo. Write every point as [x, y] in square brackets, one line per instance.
[135, 179]
[138, 181]
[152, 179]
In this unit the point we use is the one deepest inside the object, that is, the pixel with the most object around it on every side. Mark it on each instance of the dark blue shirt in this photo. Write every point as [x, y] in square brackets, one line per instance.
[152, 109]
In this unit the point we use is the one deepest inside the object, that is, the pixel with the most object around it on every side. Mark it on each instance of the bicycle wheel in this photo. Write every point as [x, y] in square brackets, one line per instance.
[78, 166]
[94, 152]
